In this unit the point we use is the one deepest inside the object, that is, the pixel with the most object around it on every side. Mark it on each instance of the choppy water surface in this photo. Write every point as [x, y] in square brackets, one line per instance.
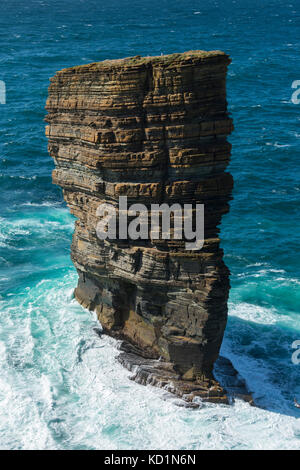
[60, 385]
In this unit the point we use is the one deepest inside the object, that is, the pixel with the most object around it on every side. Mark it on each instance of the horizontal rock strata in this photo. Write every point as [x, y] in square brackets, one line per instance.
[152, 129]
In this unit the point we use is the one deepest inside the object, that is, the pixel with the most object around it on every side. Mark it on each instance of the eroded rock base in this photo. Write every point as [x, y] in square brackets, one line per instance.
[159, 373]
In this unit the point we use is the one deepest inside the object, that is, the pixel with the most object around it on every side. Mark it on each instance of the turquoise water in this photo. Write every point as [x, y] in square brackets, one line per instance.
[60, 385]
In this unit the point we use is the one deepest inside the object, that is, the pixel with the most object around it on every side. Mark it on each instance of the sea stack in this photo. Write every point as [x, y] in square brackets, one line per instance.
[153, 129]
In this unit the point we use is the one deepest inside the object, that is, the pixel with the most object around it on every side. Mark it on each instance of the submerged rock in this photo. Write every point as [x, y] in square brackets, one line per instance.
[152, 129]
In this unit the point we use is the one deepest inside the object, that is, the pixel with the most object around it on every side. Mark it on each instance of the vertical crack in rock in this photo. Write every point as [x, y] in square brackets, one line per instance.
[152, 129]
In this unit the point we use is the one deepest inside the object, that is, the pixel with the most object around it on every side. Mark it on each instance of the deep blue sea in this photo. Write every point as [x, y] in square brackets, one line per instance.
[60, 385]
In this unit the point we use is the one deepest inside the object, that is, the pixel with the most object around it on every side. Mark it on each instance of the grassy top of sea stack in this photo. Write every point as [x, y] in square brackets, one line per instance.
[170, 60]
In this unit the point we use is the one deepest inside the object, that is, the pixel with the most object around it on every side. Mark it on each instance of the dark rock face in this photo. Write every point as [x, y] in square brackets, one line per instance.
[152, 129]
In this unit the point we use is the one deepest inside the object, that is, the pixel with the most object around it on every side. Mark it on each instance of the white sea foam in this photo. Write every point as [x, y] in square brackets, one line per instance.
[41, 204]
[255, 313]
[39, 224]
[61, 387]
[277, 145]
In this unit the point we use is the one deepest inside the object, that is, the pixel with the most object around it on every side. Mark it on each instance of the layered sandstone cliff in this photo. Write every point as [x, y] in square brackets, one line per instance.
[152, 129]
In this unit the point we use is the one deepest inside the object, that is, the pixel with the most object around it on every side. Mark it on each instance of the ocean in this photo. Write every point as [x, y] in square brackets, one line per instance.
[60, 384]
